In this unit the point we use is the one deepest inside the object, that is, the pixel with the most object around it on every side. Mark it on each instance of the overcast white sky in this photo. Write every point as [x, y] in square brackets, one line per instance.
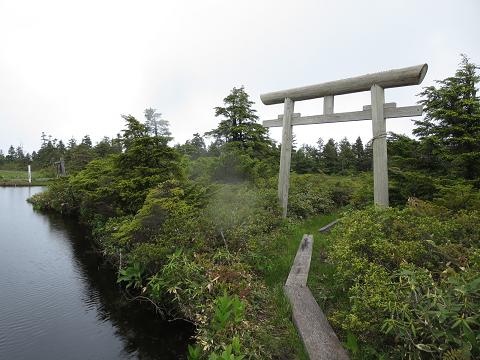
[70, 68]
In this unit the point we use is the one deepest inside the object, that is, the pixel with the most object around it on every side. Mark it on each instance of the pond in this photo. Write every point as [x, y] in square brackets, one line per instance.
[60, 300]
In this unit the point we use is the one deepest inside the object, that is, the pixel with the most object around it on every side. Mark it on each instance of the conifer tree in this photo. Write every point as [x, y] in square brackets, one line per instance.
[330, 157]
[359, 153]
[11, 154]
[156, 125]
[346, 156]
[240, 125]
[452, 120]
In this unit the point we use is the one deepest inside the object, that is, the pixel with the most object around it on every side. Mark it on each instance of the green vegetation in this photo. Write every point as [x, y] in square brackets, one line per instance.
[405, 281]
[207, 253]
[20, 178]
[196, 230]
[409, 280]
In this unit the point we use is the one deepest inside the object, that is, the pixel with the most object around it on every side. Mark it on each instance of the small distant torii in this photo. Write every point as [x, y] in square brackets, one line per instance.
[60, 167]
[378, 111]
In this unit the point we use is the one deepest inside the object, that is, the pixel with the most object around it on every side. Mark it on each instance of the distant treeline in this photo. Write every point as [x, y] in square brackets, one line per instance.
[447, 144]
[330, 157]
[76, 155]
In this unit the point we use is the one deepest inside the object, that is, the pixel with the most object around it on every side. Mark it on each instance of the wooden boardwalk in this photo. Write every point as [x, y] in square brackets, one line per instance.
[319, 339]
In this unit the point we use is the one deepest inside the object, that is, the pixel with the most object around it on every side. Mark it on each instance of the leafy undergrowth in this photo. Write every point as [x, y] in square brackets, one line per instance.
[214, 254]
[402, 283]
[228, 277]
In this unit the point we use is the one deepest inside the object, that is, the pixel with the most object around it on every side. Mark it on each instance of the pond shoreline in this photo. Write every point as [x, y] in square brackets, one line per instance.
[61, 265]
[23, 183]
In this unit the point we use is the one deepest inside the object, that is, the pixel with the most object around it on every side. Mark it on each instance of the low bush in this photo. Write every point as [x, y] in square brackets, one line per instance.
[411, 279]
[60, 197]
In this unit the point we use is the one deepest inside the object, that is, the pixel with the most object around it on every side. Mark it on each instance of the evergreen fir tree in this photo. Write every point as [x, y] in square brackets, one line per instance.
[452, 120]
[330, 157]
[156, 125]
[359, 153]
[240, 121]
[346, 156]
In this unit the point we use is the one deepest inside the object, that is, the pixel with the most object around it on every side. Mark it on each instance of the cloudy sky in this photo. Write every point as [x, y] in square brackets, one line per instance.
[70, 68]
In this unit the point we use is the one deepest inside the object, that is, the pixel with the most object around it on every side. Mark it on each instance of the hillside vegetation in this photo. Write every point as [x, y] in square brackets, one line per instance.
[196, 231]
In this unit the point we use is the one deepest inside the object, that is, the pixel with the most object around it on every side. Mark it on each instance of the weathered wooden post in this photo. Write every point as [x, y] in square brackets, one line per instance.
[29, 174]
[62, 167]
[328, 105]
[378, 111]
[285, 155]
[379, 127]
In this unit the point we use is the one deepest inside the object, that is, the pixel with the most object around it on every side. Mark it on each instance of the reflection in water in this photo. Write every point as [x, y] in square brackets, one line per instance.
[141, 334]
[59, 299]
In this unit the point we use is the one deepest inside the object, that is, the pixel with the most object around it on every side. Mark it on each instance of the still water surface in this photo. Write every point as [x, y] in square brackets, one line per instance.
[59, 300]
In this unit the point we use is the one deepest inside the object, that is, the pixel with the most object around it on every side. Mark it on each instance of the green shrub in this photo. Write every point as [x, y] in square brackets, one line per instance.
[405, 184]
[131, 275]
[113, 186]
[458, 196]
[411, 277]
[227, 309]
[183, 245]
[434, 316]
[60, 197]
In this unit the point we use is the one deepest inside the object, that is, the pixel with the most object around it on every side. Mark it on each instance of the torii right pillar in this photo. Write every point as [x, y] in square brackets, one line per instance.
[380, 167]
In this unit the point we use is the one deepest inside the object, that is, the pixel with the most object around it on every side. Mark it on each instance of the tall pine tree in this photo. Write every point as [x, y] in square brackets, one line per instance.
[452, 121]
[239, 126]
[330, 157]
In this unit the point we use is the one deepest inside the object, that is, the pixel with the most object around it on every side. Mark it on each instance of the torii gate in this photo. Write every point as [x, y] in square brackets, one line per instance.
[378, 111]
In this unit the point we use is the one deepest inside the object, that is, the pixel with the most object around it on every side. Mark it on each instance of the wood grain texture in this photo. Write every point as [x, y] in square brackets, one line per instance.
[319, 339]
[389, 112]
[385, 106]
[412, 75]
[379, 128]
[328, 105]
[298, 275]
[285, 156]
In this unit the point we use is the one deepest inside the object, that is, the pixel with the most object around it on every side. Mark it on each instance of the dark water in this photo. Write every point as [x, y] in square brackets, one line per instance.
[58, 300]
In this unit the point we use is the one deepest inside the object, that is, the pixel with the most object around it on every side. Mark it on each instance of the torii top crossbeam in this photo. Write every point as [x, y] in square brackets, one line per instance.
[377, 112]
[412, 75]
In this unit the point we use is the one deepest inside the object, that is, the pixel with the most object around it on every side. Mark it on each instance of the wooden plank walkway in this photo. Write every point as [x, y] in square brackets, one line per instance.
[328, 227]
[319, 339]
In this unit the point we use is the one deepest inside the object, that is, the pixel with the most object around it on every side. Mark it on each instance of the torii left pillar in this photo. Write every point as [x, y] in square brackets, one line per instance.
[285, 155]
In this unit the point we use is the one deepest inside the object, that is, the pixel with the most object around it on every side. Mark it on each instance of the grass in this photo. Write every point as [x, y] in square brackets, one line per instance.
[321, 279]
[324, 287]
[20, 178]
[286, 244]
